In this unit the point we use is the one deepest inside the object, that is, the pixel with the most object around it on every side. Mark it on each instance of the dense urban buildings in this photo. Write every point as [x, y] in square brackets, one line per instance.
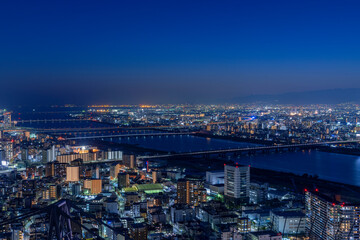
[129, 190]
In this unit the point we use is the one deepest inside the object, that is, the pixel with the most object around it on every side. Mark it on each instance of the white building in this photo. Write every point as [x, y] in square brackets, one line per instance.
[288, 222]
[237, 182]
[215, 177]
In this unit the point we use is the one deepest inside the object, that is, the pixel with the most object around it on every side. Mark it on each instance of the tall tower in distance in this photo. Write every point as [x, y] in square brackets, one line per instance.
[7, 120]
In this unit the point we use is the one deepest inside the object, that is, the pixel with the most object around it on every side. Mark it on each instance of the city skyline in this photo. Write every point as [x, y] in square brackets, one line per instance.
[179, 120]
[122, 52]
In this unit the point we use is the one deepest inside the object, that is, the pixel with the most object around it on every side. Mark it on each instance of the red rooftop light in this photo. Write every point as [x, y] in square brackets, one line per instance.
[316, 190]
[305, 190]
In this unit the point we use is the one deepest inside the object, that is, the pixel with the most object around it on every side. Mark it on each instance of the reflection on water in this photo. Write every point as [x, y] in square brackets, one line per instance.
[329, 166]
[182, 143]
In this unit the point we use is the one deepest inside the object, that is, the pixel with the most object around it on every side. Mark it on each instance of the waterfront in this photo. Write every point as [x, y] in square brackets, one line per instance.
[328, 166]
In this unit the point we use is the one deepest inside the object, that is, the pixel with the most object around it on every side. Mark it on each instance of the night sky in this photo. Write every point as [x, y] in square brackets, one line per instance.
[174, 51]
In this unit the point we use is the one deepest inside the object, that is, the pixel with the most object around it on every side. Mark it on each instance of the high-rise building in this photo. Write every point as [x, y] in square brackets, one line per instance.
[123, 180]
[114, 170]
[53, 191]
[181, 191]
[237, 183]
[96, 172]
[111, 155]
[72, 174]
[55, 169]
[9, 151]
[7, 120]
[330, 219]
[129, 161]
[76, 189]
[50, 154]
[190, 191]
[96, 186]
[155, 176]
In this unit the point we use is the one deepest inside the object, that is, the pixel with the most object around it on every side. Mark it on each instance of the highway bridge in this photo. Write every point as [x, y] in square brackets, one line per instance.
[250, 149]
[233, 150]
[110, 127]
[133, 135]
[53, 120]
[60, 131]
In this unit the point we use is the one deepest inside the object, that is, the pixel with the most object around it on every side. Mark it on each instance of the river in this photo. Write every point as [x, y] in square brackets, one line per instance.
[329, 166]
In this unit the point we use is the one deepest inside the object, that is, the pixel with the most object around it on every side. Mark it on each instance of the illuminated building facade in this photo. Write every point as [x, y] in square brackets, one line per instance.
[94, 185]
[237, 182]
[330, 219]
[190, 192]
[129, 161]
[72, 174]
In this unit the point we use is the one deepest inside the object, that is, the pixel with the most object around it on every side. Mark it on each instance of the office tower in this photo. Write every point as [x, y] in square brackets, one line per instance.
[237, 183]
[330, 219]
[72, 174]
[190, 192]
[123, 180]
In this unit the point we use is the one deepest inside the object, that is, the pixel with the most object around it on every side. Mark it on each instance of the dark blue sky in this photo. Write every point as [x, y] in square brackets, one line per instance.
[157, 51]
